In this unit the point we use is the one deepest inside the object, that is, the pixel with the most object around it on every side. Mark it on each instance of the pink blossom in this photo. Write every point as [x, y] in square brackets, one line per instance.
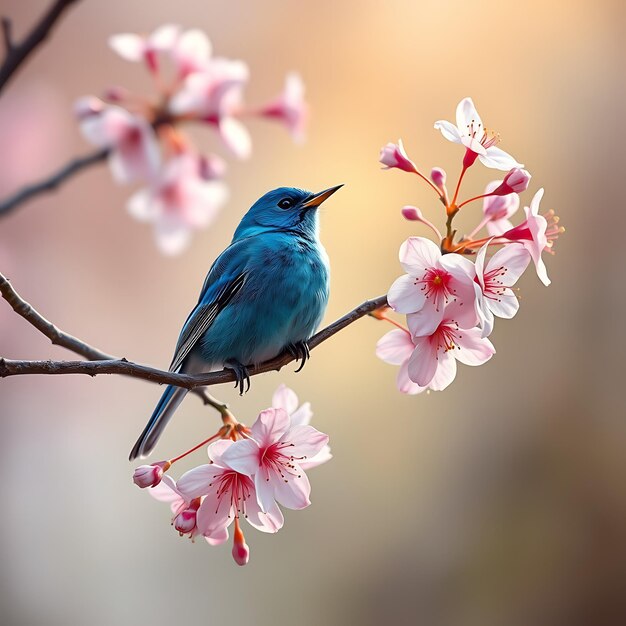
[240, 551]
[396, 348]
[516, 181]
[438, 176]
[285, 398]
[394, 155]
[498, 209]
[290, 108]
[494, 282]
[432, 281]
[132, 47]
[214, 96]
[150, 475]
[532, 234]
[180, 200]
[228, 495]
[433, 362]
[470, 132]
[273, 457]
[134, 149]
[191, 52]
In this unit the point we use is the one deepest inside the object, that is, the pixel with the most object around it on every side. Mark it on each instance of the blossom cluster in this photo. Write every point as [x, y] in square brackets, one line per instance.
[184, 188]
[453, 289]
[250, 472]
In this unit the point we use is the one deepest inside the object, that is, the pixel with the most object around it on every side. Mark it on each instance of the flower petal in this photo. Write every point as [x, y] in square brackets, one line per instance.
[264, 490]
[270, 426]
[446, 371]
[467, 114]
[214, 515]
[292, 491]
[196, 482]
[285, 398]
[128, 45]
[498, 159]
[474, 349]
[417, 254]
[244, 456]
[405, 384]
[514, 259]
[425, 322]
[506, 306]
[395, 347]
[423, 362]
[306, 441]
[322, 456]
[405, 296]
[302, 415]
[448, 130]
[236, 137]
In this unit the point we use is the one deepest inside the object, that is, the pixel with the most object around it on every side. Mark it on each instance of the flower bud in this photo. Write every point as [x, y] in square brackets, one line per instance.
[241, 551]
[438, 176]
[393, 155]
[150, 475]
[516, 181]
[185, 521]
[411, 213]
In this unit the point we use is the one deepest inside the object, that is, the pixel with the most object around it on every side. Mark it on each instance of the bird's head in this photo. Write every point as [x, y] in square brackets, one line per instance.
[285, 208]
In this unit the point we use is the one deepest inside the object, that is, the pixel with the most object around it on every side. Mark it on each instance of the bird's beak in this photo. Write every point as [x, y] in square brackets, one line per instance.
[318, 198]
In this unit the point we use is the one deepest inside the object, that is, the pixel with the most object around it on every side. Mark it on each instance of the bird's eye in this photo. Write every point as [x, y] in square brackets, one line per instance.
[285, 203]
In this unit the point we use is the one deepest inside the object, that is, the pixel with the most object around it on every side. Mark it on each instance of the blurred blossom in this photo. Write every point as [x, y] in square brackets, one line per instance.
[180, 200]
[134, 149]
[182, 194]
[290, 108]
[470, 132]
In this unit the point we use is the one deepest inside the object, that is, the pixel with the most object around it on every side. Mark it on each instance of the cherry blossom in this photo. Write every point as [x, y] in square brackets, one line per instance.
[494, 282]
[150, 475]
[290, 108]
[432, 281]
[273, 455]
[285, 398]
[535, 235]
[396, 348]
[228, 496]
[516, 181]
[498, 209]
[394, 155]
[191, 52]
[134, 149]
[180, 200]
[132, 47]
[433, 362]
[214, 96]
[470, 132]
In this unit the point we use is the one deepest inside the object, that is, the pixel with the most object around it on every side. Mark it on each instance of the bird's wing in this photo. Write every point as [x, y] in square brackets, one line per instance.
[224, 280]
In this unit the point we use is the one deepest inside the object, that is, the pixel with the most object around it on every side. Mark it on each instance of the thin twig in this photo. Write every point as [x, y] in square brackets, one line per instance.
[127, 368]
[17, 53]
[53, 181]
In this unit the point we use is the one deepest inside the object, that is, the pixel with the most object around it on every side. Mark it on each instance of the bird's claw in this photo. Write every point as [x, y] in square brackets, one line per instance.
[300, 352]
[241, 375]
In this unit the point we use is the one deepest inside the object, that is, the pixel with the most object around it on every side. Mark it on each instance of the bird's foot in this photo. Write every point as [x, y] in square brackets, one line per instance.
[241, 374]
[300, 352]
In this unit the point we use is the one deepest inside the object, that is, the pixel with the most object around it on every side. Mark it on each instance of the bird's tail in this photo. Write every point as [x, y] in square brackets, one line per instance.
[162, 414]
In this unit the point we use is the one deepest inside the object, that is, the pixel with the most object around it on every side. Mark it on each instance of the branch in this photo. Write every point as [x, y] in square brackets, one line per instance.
[53, 181]
[126, 368]
[16, 53]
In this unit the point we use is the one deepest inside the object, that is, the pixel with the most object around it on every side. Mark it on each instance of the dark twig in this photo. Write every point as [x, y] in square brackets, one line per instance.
[127, 368]
[16, 53]
[53, 181]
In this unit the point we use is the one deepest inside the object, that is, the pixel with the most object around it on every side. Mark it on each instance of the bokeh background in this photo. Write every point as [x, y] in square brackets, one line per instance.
[500, 501]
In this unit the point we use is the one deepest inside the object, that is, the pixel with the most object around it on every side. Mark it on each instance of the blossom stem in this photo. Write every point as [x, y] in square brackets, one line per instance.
[458, 187]
[202, 443]
[430, 182]
[481, 224]
[484, 195]
[382, 316]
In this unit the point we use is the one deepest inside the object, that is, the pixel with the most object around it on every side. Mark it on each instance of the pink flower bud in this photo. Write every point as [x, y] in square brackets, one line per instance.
[438, 176]
[393, 155]
[516, 181]
[411, 213]
[185, 521]
[241, 551]
[150, 475]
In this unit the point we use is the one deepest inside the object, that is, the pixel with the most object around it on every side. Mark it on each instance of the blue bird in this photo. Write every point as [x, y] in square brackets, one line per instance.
[266, 293]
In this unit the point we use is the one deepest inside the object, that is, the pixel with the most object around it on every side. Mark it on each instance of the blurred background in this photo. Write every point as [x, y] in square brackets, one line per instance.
[500, 501]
